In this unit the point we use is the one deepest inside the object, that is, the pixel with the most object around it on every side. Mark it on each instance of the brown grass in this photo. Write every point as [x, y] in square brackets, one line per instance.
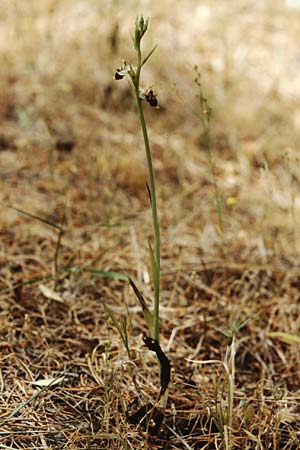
[58, 63]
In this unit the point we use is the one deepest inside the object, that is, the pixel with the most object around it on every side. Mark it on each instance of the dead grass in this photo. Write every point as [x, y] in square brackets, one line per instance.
[56, 85]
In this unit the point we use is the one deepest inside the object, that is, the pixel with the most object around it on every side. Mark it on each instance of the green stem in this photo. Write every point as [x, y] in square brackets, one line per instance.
[155, 220]
[207, 146]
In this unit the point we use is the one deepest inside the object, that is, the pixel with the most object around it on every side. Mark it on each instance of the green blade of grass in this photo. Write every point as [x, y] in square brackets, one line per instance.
[116, 323]
[33, 216]
[27, 282]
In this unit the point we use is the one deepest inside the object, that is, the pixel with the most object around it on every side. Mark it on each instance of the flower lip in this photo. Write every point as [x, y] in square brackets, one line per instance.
[122, 72]
[118, 75]
[151, 98]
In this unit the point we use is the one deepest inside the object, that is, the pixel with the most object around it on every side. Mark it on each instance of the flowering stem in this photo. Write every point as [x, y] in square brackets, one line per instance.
[151, 317]
[155, 220]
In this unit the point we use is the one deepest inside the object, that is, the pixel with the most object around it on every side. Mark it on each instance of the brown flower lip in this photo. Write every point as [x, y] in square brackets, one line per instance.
[151, 99]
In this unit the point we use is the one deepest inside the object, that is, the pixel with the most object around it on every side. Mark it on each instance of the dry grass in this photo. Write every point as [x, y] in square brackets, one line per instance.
[59, 60]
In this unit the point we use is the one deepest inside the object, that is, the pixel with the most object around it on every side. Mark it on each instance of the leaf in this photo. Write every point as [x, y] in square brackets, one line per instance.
[121, 327]
[27, 283]
[49, 293]
[33, 216]
[149, 54]
[111, 314]
[146, 311]
[285, 337]
[48, 381]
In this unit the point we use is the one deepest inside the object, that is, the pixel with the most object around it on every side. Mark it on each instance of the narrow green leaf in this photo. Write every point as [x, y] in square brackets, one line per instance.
[124, 330]
[27, 282]
[111, 314]
[149, 55]
[146, 311]
[133, 39]
[33, 216]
